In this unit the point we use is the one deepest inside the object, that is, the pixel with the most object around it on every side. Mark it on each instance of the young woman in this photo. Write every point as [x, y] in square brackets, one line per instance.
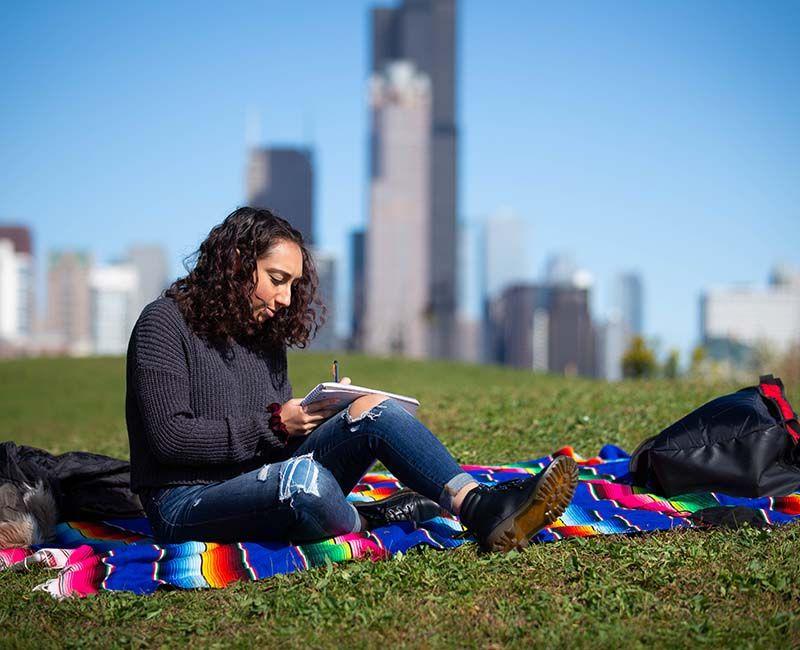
[221, 451]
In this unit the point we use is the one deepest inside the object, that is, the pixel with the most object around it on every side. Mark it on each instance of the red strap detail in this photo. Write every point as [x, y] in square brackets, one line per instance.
[775, 393]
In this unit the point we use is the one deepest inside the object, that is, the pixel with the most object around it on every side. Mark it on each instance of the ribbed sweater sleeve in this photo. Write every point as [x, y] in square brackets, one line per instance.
[172, 430]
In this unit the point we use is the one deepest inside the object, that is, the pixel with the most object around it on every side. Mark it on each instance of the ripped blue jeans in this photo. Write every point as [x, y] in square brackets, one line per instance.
[304, 497]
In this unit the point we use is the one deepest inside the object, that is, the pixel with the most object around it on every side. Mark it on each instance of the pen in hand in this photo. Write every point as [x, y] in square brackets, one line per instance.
[335, 370]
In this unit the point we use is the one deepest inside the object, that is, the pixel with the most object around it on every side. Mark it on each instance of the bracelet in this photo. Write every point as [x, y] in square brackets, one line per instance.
[275, 424]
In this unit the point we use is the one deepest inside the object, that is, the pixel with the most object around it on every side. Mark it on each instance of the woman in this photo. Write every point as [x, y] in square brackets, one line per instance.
[221, 451]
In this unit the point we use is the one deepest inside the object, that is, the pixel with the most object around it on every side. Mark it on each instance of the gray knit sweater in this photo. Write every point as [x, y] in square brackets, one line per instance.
[196, 413]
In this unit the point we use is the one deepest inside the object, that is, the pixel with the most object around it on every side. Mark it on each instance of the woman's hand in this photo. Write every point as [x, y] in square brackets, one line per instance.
[302, 420]
[345, 380]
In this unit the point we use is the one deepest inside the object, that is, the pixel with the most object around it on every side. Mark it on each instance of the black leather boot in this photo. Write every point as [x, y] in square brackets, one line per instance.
[405, 505]
[505, 516]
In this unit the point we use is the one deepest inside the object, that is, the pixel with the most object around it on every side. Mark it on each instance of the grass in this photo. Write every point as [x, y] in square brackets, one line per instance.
[739, 589]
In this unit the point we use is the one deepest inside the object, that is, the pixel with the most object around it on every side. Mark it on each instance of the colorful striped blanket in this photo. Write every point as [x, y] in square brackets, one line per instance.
[119, 555]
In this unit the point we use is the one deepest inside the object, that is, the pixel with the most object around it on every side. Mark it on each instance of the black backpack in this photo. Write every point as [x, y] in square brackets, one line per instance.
[743, 444]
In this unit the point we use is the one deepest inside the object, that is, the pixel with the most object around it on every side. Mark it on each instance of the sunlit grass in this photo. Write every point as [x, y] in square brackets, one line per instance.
[727, 589]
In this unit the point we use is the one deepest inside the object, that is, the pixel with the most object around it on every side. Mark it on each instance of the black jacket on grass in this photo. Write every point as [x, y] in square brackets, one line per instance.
[197, 413]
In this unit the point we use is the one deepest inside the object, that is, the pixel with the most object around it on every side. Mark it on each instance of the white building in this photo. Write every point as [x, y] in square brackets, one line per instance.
[114, 295]
[398, 241]
[753, 316]
[16, 286]
[613, 338]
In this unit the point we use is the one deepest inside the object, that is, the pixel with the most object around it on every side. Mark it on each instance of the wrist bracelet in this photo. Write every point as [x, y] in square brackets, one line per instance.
[275, 424]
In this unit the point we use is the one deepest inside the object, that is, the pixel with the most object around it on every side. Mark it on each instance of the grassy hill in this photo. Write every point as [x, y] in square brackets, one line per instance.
[672, 589]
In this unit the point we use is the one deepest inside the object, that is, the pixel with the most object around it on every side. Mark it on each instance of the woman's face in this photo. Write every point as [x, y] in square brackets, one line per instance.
[276, 274]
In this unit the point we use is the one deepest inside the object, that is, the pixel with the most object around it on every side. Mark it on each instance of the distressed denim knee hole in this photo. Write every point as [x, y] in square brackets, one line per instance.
[299, 474]
[372, 413]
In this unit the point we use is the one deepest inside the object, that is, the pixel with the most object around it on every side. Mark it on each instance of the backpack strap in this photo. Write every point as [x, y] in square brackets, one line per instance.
[771, 388]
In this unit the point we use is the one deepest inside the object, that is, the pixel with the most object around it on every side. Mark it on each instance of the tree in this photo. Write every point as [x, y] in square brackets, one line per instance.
[638, 360]
[699, 355]
[671, 364]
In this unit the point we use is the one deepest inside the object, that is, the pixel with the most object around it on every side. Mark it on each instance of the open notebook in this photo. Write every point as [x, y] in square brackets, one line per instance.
[347, 393]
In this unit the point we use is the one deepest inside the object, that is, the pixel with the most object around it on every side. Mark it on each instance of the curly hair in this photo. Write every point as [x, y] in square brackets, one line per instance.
[215, 295]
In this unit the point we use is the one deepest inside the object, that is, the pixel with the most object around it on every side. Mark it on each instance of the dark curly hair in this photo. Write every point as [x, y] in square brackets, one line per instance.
[214, 297]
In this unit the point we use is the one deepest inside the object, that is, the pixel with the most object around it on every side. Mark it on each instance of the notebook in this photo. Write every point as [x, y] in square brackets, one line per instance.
[347, 393]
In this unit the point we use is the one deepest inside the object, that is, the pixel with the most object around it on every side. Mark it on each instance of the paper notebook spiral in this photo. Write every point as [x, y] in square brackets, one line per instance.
[347, 393]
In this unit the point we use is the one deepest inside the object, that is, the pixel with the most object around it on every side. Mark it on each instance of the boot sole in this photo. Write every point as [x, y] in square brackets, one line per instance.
[548, 502]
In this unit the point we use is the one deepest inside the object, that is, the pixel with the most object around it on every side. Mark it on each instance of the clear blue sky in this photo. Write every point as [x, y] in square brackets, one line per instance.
[658, 136]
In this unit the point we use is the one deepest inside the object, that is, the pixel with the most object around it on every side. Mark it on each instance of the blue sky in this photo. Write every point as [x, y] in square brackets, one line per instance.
[657, 136]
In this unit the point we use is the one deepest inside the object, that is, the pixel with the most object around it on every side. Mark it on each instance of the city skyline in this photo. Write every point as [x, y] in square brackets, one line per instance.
[687, 171]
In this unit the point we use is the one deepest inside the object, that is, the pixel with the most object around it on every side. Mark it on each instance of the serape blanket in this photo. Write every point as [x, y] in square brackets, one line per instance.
[119, 555]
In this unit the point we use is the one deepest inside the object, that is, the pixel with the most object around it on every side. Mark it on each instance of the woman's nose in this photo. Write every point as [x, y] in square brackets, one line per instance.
[284, 298]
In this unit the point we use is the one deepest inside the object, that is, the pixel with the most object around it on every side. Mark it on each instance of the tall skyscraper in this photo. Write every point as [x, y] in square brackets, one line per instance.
[358, 283]
[423, 32]
[150, 262]
[507, 243]
[282, 179]
[470, 281]
[398, 296]
[612, 341]
[572, 336]
[515, 317]
[16, 285]
[68, 300]
[326, 338]
[114, 291]
[629, 302]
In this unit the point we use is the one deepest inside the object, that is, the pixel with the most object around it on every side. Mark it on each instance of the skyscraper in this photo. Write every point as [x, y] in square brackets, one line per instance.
[282, 179]
[150, 262]
[398, 244]
[326, 338]
[629, 302]
[572, 337]
[68, 300]
[424, 33]
[16, 285]
[507, 243]
[358, 283]
[515, 313]
[470, 280]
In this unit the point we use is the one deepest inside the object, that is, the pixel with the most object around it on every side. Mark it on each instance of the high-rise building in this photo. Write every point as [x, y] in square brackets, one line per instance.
[16, 285]
[423, 32]
[515, 313]
[326, 338]
[68, 300]
[150, 262]
[470, 281]
[629, 302]
[572, 337]
[358, 283]
[612, 341]
[398, 250]
[507, 252]
[282, 179]
[114, 291]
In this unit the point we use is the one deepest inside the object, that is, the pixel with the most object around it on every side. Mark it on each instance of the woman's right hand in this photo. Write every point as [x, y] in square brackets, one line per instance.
[302, 420]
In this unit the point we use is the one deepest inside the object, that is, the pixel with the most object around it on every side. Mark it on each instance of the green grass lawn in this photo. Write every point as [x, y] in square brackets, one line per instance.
[733, 589]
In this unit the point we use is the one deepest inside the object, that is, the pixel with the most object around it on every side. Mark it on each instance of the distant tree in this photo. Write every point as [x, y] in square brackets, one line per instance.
[699, 355]
[638, 360]
[671, 364]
